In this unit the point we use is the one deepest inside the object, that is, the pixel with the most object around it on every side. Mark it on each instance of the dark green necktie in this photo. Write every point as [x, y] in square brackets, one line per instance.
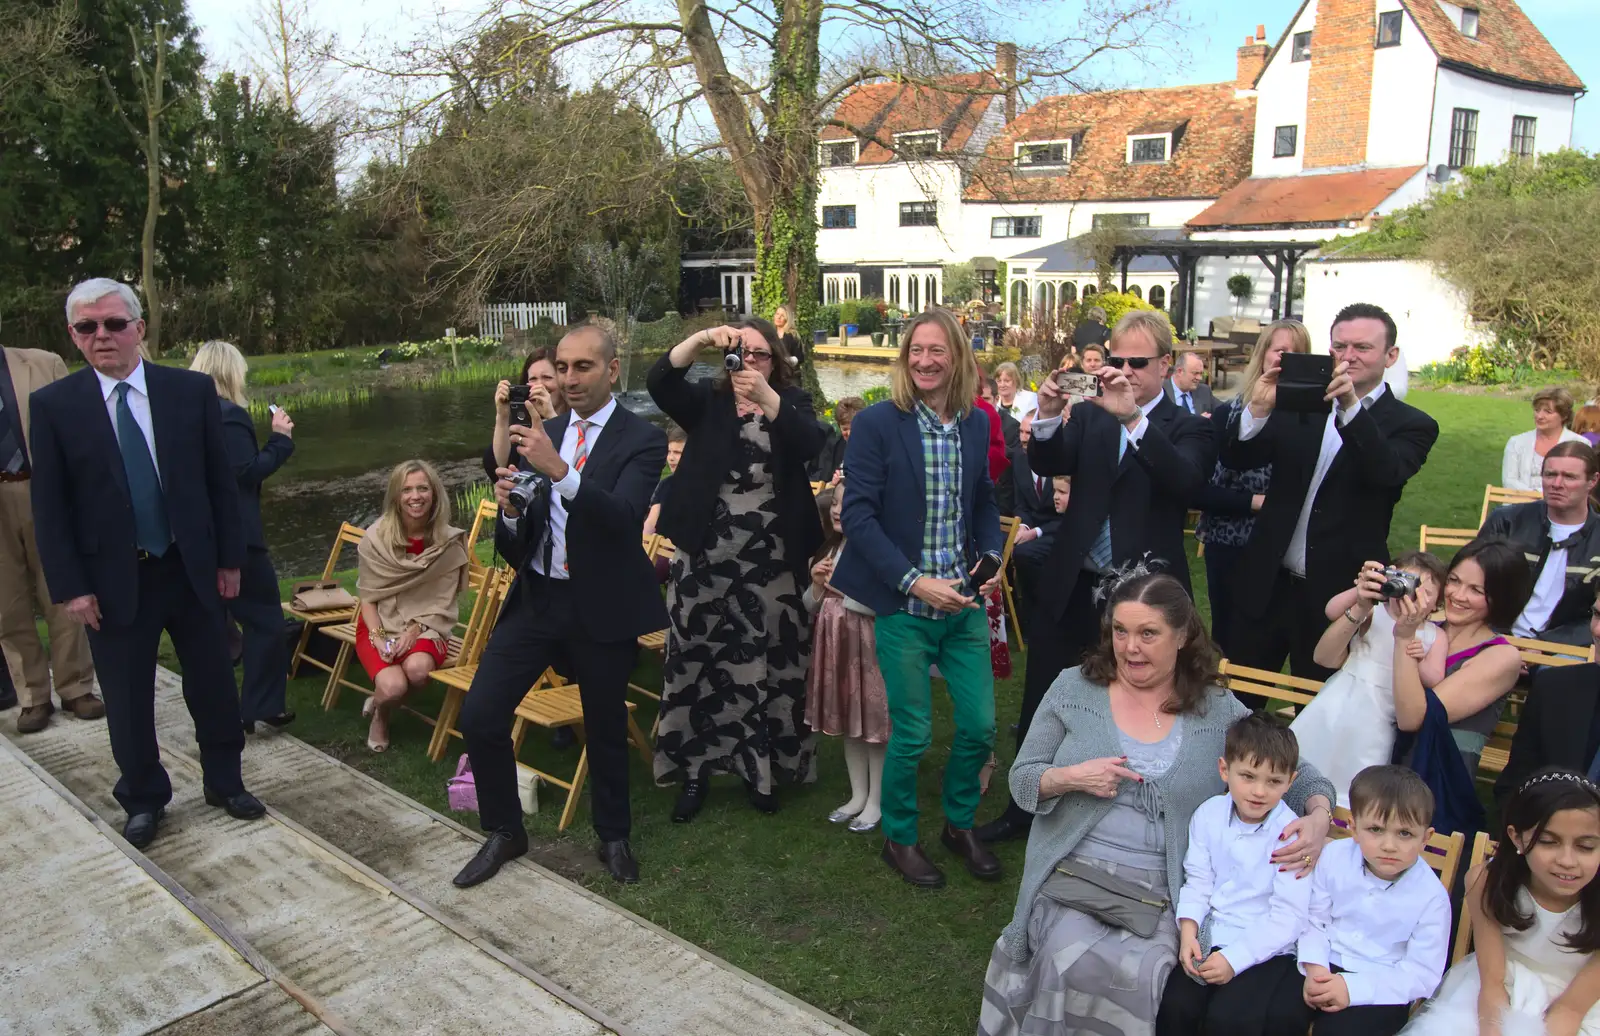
[151, 531]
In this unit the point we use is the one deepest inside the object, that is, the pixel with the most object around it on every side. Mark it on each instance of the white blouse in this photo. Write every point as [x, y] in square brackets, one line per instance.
[1520, 467]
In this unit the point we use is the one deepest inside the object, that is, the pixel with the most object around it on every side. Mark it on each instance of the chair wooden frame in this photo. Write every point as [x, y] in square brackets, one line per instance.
[1443, 852]
[1494, 496]
[1497, 751]
[457, 679]
[1010, 524]
[348, 536]
[488, 511]
[1273, 686]
[656, 548]
[1438, 536]
[555, 703]
[1482, 849]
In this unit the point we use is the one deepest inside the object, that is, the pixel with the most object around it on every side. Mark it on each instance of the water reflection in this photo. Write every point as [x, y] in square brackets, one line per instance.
[343, 454]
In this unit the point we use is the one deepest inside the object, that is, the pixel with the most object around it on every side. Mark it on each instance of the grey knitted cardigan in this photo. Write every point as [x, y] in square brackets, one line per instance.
[1073, 725]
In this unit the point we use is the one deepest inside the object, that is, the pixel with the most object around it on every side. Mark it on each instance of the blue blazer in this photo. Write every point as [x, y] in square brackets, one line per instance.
[885, 503]
[82, 514]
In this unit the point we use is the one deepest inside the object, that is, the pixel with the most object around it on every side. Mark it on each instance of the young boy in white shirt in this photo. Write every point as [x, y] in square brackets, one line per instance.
[1380, 918]
[1239, 915]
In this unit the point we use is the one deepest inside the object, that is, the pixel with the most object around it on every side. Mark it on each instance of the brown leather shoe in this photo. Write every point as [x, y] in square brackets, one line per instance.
[913, 865]
[34, 718]
[85, 706]
[981, 863]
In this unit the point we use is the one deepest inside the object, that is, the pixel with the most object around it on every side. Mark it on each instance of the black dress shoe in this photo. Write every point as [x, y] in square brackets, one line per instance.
[1004, 828]
[619, 861]
[140, 830]
[690, 799]
[498, 850]
[765, 803]
[281, 720]
[243, 806]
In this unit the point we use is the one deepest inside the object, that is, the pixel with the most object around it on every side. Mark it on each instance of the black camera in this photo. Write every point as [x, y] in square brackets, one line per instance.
[1398, 583]
[529, 492]
[732, 360]
[519, 406]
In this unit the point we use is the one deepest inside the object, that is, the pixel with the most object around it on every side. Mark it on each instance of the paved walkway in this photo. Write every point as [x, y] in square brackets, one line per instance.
[342, 898]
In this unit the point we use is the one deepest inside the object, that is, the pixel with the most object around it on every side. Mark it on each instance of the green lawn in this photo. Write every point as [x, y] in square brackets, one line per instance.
[803, 903]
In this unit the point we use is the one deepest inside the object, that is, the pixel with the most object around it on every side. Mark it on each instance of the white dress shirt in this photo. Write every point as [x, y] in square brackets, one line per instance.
[1294, 559]
[1390, 937]
[1044, 428]
[565, 490]
[138, 403]
[1549, 587]
[1257, 912]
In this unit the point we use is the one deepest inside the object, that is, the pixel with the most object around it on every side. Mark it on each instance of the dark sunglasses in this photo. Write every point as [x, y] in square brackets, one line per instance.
[116, 325]
[1138, 363]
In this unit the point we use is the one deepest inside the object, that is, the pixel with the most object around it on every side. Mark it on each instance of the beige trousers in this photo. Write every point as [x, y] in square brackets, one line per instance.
[22, 588]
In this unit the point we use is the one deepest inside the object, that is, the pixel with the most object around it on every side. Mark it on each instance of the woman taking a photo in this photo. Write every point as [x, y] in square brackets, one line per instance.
[266, 654]
[413, 567]
[544, 402]
[745, 525]
[1121, 753]
[1229, 502]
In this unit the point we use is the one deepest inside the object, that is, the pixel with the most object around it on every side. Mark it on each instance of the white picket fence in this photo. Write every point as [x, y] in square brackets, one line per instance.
[496, 320]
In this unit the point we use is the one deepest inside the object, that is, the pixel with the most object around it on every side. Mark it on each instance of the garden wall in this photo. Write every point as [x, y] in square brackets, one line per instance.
[1429, 312]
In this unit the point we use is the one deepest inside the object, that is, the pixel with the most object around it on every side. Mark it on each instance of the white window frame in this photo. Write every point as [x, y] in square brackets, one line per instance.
[836, 287]
[1469, 22]
[1532, 135]
[901, 138]
[1016, 153]
[1166, 148]
[1011, 222]
[824, 146]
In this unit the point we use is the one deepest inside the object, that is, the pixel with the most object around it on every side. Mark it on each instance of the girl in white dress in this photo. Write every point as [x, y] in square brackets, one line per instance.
[1349, 724]
[1535, 923]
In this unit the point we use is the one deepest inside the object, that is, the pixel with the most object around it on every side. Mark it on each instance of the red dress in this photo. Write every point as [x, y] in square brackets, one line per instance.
[373, 662]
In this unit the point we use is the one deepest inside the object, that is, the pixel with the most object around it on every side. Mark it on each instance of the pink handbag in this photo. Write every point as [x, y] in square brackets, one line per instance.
[462, 790]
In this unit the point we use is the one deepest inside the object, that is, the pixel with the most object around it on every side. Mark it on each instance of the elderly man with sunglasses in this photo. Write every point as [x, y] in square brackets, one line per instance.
[136, 510]
[1136, 460]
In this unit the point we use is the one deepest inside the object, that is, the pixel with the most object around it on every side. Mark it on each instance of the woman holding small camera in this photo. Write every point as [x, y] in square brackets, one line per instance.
[745, 525]
[544, 401]
[412, 569]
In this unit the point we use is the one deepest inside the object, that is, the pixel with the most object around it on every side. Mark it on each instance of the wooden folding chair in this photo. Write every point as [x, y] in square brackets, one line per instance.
[555, 703]
[1009, 524]
[1296, 690]
[1495, 496]
[1191, 525]
[1438, 536]
[488, 511]
[348, 536]
[659, 547]
[457, 679]
[1482, 849]
[817, 487]
[1549, 652]
[345, 634]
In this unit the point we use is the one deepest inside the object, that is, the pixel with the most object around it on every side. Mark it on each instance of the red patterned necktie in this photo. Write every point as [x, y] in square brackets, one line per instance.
[580, 453]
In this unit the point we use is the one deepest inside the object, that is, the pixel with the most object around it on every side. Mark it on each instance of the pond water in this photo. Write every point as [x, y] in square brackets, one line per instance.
[343, 454]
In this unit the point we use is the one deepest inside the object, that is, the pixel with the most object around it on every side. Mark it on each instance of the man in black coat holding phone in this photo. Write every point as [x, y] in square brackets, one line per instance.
[583, 595]
[1337, 473]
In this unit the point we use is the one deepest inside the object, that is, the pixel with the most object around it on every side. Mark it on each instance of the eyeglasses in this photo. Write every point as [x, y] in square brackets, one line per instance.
[758, 355]
[1138, 363]
[115, 325]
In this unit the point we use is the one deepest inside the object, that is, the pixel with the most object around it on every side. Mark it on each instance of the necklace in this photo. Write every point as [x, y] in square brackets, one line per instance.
[1155, 714]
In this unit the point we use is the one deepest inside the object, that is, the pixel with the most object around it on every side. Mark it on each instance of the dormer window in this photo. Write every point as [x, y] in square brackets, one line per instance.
[1301, 48]
[921, 144]
[1389, 28]
[837, 153]
[1150, 149]
[1036, 153]
[1469, 22]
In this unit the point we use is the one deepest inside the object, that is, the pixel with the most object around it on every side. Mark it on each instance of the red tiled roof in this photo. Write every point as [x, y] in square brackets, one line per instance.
[1213, 152]
[875, 112]
[1508, 45]
[1323, 198]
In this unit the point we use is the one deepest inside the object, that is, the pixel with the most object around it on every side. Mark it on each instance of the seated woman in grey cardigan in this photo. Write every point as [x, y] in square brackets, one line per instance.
[1121, 753]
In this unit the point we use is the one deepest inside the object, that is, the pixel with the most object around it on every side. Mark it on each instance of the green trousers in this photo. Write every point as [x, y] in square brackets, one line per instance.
[959, 645]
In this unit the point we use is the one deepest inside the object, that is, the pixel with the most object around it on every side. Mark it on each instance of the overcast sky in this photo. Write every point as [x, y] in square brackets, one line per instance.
[1219, 26]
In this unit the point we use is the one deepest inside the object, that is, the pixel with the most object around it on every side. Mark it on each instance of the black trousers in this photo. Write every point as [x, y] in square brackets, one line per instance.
[1222, 563]
[1052, 647]
[125, 662]
[1288, 629]
[1261, 1001]
[266, 653]
[1369, 1020]
[539, 629]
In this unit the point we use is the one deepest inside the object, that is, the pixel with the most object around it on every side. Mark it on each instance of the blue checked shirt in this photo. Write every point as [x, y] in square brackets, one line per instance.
[943, 531]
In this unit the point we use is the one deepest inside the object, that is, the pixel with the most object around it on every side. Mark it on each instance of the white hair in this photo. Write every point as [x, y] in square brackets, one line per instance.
[96, 288]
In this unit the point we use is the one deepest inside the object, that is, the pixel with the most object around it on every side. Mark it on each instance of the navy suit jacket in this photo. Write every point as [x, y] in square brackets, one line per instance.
[251, 465]
[885, 503]
[614, 586]
[82, 513]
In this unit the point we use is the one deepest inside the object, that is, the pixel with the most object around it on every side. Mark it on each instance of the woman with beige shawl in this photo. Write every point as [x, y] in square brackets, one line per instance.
[413, 567]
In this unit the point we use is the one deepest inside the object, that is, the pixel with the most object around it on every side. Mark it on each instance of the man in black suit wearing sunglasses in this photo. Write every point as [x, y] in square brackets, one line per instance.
[1136, 461]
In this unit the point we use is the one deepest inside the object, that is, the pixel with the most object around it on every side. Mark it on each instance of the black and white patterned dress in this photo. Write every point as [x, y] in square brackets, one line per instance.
[738, 641]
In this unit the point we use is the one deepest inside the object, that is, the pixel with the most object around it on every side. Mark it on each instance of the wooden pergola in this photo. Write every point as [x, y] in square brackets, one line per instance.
[1280, 257]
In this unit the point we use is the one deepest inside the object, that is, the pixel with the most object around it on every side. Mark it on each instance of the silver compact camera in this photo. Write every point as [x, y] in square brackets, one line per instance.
[732, 360]
[529, 490]
[1398, 583]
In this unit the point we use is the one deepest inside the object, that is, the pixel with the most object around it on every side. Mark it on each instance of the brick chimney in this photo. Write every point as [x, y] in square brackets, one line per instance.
[1005, 68]
[1252, 59]
[1339, 93]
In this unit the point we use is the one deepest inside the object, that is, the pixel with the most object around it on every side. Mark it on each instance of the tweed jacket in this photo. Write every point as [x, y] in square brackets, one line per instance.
[1073, 725]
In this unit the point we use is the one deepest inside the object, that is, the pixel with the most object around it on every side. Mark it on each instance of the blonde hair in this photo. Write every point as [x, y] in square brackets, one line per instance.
[226, 366]
[392, 524]
[788, 312]
[1258, 356]
[1152, 322]
[1560, 399]
[963, 365]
